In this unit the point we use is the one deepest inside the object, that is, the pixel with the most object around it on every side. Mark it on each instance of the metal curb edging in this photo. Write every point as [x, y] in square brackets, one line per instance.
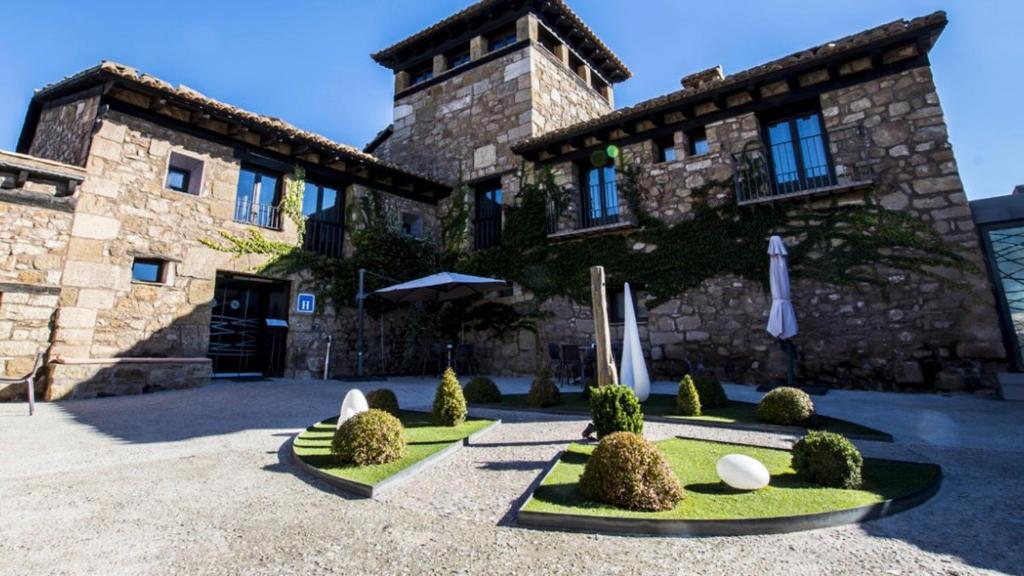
[389, 483]
[705, 528]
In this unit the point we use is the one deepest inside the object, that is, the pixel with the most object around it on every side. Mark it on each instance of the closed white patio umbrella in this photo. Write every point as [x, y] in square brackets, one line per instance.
[634, 369]
[782, 317]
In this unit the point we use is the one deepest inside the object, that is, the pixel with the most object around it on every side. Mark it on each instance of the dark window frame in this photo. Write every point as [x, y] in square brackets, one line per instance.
[664, 147]
[487, 224]
[789, 115]
[693, 138]
[607, 213]
[272, 220]
[615, 316]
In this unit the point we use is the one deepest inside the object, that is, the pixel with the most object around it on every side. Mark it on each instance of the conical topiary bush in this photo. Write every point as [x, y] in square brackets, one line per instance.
[449, 402]
[687, 400]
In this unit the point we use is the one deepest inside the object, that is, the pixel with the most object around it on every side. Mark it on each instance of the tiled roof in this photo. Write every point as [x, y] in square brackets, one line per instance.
[131, 77]
[819, 53]
[484, 5]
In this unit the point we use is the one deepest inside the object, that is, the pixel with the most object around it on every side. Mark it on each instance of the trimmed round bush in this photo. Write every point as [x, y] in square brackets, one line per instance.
[449, 403]
[710, 391]
[628, 472]
[615, 409]
[785, 406]
[828, 459]
[383, 399]
[687, 399]
[371, 437]
[543, 392]
[482, 390]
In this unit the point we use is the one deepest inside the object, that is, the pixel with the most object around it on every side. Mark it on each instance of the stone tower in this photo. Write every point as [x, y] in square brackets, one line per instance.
[498, 72]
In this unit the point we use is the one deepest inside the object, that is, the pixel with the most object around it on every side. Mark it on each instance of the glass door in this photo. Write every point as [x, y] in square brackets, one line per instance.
[1005, 250]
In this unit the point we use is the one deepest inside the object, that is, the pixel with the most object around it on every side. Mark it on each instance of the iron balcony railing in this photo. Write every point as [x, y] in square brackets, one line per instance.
[324, 238]
[785, 169]
[599, 208]
[262, 215]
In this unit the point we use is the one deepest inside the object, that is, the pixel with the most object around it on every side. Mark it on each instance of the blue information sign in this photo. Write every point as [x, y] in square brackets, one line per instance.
[305, 304]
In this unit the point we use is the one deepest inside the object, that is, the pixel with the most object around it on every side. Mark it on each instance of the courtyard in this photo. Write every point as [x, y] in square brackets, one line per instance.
[202, 482]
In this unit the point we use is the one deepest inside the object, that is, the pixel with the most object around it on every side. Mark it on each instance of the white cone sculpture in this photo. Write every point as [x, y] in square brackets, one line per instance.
[634, 369]
[353, 404]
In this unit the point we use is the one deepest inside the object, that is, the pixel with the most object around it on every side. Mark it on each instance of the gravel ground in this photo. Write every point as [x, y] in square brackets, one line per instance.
[199, 482]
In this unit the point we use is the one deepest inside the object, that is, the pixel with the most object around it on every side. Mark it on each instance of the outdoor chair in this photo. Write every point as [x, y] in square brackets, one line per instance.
[572, 361]
[30, 381]
[555, 359]
[434, 360]
[465, 359]
[590, 362]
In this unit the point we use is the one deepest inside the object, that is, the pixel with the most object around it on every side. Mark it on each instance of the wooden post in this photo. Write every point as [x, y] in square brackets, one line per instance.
[606, 372]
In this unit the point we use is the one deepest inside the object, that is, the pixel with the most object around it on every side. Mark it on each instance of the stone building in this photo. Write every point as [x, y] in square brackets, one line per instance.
[122, 181]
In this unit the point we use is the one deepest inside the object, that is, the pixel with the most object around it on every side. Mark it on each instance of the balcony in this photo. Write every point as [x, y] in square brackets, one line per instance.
[262, 215]
[601, 213]
[324, 238]
[786, 171]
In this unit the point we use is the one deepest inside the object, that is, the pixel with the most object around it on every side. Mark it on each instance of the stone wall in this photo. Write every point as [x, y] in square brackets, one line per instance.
[65, 130]
[120, 377]
[915, 332]
[35, 224]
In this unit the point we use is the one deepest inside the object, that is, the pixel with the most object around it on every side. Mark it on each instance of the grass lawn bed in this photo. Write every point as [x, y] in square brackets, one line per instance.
[712, 508]
[424, 441]
[662, 407]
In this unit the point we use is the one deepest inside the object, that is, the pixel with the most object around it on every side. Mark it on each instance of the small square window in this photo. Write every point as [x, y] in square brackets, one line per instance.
[148, 270]
[666, 149]
[184, 174]
[697, 142]
[412, 224]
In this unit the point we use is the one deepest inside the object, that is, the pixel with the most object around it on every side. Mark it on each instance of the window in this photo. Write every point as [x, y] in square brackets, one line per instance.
[184, 174]
[488, 206]
[458, 57]
[256, 201]
[617, 305]
[665, 148]
[798, 152]
[697, 142]
[422, 73]
[501, 38]
[148, 270]
[600, 195]
[412, 225]
[548, 41]
[322, 210]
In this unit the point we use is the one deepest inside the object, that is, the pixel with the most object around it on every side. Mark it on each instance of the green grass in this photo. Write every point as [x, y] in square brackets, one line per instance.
[664, 406]
[707, 498]
[422, 440]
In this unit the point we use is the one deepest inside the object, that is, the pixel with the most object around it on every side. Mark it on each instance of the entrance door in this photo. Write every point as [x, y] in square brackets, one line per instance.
[248, 326]
[1005, 247]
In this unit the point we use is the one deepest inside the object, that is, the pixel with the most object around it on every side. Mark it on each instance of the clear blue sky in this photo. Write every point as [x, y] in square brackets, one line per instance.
[308, 61]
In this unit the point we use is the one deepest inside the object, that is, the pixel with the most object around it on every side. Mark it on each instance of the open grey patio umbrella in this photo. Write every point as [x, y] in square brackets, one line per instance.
[440, 287]
[782, 317]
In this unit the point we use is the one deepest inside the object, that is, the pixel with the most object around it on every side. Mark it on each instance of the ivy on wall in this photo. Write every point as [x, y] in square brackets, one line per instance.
[840, 244]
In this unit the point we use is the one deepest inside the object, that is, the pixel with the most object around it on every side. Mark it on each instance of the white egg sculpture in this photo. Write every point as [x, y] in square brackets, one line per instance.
[742, 472]
[353, 404]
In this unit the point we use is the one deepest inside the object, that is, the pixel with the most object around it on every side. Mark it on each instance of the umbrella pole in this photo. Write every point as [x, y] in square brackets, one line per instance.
[360, 297]
[790, 354]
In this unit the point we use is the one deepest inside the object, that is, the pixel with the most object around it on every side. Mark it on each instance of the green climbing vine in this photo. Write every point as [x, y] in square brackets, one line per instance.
[849, 244]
